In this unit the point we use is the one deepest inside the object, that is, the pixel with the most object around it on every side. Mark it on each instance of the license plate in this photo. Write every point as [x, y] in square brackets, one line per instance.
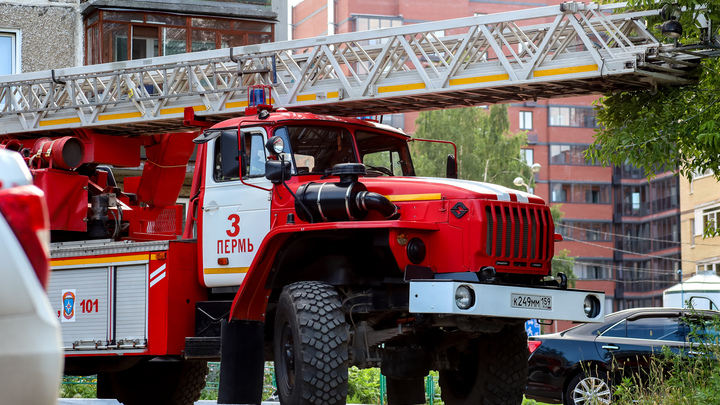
[531, 301]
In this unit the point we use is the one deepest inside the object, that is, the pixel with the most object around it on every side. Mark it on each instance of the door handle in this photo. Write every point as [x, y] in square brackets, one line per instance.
[211, 207]
[610, 347]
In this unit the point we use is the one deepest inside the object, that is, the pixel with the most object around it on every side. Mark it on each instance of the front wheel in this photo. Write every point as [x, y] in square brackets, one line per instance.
[493, 370]
[589, 388]
[310, 342]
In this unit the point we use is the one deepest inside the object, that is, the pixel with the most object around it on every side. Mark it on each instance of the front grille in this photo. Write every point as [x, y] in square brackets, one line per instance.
[517, 232]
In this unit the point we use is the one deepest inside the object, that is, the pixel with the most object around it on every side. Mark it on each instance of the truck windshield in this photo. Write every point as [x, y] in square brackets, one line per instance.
[384, 155]
[316, 149]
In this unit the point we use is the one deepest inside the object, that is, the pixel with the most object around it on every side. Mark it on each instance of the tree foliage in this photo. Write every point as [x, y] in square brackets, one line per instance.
[671, 126]
[487, 151]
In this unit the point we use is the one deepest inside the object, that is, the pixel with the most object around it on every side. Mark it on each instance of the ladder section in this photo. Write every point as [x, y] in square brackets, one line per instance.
[547, 52]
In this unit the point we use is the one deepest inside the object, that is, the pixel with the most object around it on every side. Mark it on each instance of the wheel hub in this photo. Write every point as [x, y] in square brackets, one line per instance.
[592, 391]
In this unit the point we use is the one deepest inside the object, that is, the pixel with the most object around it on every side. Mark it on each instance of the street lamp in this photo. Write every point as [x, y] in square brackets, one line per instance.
[535, 169]
[682, 289]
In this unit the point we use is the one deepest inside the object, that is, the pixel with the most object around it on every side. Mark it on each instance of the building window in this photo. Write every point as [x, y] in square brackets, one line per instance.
[526, 155]
[594, 270]
[580, 193]
[702, 173]
[9, 52]
[710, 218]
[666, 233]
[664, 194]
[526, 120]
[632, 201]
[584, 230]
[365, 23]
[692, 232]
[394, 120]
[708, 268]
[569, 155]
[584, 117]
[112, 35]
[636, 238]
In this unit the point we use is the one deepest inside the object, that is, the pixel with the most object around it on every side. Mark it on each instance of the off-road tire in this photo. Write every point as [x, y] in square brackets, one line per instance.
[158, 383]
[310, 342]
[492, 371]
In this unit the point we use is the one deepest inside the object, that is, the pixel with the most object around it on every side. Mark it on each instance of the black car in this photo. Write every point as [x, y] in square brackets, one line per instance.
[581, 365]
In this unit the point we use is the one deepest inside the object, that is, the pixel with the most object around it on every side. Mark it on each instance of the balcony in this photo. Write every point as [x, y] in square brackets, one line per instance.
[260, 9]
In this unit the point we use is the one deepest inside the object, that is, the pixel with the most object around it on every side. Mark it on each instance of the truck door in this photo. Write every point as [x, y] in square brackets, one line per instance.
[235, 213]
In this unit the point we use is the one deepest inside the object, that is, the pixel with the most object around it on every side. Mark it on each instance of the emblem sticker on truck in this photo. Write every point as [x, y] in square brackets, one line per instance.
[68, 306]
[531, 301]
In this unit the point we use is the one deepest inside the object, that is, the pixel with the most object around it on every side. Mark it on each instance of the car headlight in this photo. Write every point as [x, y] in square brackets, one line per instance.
[464, 297]
[591, 306]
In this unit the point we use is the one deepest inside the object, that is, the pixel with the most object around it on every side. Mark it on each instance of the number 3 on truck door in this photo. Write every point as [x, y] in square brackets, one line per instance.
[235, 216]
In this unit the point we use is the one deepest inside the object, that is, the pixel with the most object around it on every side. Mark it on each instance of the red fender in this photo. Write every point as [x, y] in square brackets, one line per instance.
[252, 297]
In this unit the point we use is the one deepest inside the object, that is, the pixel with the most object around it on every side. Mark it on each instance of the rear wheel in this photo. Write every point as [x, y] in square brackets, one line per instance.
[164, 382]
[493, 370]
[589, 388]
[311, 345]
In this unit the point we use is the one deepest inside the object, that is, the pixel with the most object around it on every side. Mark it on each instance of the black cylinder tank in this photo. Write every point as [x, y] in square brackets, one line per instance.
[329, 202]
[347, 200]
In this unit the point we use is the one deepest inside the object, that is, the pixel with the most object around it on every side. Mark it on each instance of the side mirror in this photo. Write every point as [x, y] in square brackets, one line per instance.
[451, 168]
[276, 171]
[229, 155]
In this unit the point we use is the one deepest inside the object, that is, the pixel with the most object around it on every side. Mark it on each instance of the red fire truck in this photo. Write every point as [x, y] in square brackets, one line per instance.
[308, 239]
[314, 237]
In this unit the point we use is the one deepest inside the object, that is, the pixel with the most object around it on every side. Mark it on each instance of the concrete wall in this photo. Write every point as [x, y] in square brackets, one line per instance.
[49, 32]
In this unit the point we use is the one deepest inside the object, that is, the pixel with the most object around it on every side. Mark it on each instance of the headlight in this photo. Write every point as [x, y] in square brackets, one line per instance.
[591, 306]
[464, 297]
[416, 250]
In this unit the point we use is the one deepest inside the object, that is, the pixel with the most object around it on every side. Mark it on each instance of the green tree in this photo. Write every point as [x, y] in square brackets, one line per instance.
[670, 127]
[487, 151]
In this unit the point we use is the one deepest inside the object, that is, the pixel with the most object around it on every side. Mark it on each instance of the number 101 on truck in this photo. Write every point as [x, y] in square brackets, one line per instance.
[308, 241]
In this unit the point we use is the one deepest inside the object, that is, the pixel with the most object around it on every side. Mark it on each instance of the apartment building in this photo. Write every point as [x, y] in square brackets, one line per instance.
[700, 204]
[38, 35]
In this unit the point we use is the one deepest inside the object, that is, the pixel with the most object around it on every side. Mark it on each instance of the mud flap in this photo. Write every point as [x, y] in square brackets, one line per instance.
[242, 362]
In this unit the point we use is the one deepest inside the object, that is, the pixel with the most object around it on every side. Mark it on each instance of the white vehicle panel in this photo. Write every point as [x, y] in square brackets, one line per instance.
[131, 305]
[84, 318]
[236, 218]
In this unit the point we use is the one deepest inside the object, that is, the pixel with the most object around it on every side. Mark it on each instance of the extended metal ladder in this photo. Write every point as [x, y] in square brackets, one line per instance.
[567, 50]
